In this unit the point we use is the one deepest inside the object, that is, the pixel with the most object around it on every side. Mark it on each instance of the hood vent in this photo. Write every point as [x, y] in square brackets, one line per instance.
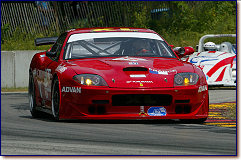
[135, 69]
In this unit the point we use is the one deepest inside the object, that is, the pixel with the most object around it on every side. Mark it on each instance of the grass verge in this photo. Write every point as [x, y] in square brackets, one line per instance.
[20, 89]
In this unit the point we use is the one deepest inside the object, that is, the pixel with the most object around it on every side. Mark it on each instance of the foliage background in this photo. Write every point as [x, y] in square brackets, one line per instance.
[183, 24]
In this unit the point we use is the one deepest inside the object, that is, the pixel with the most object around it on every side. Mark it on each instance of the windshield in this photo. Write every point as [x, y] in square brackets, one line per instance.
[118, 46]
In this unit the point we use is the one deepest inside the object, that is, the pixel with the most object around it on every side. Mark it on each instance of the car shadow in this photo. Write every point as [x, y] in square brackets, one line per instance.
[23, 110]
[49, 118]
[122, 121]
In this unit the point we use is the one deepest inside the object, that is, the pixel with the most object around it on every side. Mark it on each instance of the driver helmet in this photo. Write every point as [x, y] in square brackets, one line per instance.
[210, 46]
[139, 44]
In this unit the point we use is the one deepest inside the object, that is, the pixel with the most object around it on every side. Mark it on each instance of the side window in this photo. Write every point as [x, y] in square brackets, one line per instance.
[54, 48]
[58, 45]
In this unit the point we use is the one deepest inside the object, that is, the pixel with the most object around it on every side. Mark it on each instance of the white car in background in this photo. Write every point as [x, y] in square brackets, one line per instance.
[218, 63]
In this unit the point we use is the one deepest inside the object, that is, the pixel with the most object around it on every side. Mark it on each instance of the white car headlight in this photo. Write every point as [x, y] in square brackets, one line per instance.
[185, 79]
[90, 80]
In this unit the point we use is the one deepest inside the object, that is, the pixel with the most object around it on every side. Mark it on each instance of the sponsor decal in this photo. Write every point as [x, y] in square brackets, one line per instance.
[61, 69]
[127, 29]
[157, 111]
[129, 59]
[202, 88]
[71, 89]
[163, 72]
[43, 55]
[201, 59]
[142, 111]
[104, 29]
[133, 63]
[137, 75]
[47, 77]
[139, 81]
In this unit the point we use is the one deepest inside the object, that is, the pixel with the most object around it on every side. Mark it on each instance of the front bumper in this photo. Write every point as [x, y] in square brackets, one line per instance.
[98, 103]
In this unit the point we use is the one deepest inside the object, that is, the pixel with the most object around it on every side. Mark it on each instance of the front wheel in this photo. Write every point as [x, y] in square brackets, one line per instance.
[32, 98]
[55, 99]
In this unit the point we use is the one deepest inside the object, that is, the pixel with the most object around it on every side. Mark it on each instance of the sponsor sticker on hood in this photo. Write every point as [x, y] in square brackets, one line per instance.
[163, 72]
[133, 63]
[129, 59]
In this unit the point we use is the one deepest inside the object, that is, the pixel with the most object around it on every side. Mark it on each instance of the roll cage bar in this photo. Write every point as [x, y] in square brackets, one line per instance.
[201, 41]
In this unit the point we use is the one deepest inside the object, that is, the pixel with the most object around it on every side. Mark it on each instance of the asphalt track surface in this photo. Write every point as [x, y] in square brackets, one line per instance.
[23, 135]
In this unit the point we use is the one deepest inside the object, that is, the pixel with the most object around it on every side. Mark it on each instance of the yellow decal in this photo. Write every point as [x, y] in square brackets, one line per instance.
[104, 29]
[141, 84]
[125, 29]
[128, 29]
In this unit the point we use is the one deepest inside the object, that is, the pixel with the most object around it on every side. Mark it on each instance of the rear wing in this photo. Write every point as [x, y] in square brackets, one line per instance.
[201, 41]
[45, 41]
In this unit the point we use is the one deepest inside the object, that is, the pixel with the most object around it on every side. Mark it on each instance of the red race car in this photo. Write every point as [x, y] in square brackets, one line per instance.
[115, 73]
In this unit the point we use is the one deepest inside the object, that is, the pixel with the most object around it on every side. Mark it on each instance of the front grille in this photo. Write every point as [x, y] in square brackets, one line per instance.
[100, 101]
[141, 100]
[182, 101]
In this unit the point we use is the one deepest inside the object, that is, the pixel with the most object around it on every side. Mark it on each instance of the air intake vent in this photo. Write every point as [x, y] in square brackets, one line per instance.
[182, 101]
[141, 100]
[135, 69]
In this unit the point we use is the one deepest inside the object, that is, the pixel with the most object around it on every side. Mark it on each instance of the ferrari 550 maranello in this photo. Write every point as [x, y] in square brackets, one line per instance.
[115, 73]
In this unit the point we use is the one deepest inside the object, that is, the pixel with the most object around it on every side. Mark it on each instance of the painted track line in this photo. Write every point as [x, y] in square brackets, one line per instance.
[216, 115]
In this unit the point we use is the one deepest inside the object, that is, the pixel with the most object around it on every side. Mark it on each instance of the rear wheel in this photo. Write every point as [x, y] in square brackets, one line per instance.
[32, 99]
[55, 98]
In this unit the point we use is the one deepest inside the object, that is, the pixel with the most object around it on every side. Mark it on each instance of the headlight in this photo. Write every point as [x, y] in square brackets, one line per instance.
[90, 80]
[185, 79]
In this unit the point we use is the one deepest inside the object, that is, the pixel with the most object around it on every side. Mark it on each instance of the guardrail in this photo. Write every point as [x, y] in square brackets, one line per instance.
[14, 68]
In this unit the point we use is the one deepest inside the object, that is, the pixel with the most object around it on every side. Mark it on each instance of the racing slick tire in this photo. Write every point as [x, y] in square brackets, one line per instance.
[32, 98]
[194, 121]
[55, 99]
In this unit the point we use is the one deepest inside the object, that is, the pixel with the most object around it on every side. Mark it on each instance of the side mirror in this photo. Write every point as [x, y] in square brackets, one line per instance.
[50, 54]
[180, 51]
[183, 51]
[188, 51]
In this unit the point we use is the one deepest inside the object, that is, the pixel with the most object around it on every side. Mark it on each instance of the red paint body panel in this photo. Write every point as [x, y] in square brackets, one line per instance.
[186, 102]
[78, 107]
[220, 64]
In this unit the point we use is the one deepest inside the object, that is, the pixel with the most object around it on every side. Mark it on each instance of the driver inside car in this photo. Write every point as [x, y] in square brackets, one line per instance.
[210, 46]
[140, 47]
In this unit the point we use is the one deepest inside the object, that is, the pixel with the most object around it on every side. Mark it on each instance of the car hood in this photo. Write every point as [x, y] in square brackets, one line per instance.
[133, 72]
